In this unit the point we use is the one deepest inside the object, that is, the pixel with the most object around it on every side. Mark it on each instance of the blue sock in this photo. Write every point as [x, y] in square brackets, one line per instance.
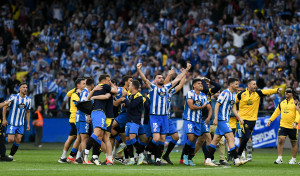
[189, 143]
[16, 144]
[174, 141]
[128, 142]
[142, 143]
[118, 138]
[74, 150]
[156, 143]
[213, 146]
[133, 141]
[96, 139]
[233, 148]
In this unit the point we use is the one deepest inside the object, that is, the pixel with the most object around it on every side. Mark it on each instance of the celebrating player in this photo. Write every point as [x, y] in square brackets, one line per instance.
[223, 107]
[158, 109]
[20, 106]
[249, 100]
[288, 125]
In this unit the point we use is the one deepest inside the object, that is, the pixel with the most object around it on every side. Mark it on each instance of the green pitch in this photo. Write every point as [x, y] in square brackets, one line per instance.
[43, 161]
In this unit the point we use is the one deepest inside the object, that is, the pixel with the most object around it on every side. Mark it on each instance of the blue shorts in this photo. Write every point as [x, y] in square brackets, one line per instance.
[147, 129]
[192, 128]
[172, 128]
[204, 128]
[223, 127]
[122, 119]
[82, 127]
[98, 119]
[141, 130]
[131, 128]
[159, 124]
[15, 129]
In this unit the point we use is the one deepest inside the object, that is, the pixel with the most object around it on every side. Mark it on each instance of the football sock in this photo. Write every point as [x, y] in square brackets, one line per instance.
[170, 147]
[14, 149]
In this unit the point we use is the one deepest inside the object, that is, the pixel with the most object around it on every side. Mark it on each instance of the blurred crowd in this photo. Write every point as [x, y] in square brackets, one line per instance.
[51, 43]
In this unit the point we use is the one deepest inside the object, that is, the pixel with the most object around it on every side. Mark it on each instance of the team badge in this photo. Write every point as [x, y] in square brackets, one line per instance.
[198, 103]
[162, 93]
[232, 102]
[21, 106]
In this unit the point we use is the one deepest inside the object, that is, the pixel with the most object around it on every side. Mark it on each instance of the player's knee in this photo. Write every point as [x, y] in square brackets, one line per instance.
[281, 140]
[175, 137]
[10, 140]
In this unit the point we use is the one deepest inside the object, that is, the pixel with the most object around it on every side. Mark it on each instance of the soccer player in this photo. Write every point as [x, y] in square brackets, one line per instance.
[249, 100]
[172, 129]
[158, 109]
[288, 125]
[98, 114]
[20, 106]
[74, 95]
[134, 111]
[3, 156]
[82, 120]
[224, 105]
[195, 102]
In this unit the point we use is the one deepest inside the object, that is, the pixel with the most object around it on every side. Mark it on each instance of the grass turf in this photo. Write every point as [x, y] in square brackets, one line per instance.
[43, 161]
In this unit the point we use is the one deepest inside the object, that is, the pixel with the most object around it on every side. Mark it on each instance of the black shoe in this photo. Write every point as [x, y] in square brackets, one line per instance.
[119, 159]
[79, 161]
[149, 160]
[6, 158]
[224, 162]
[63, 160]
[159, 163]
[167, 158]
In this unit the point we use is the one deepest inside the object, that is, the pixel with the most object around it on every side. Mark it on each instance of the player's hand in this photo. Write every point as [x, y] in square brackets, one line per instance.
[242, 122]
[122, 105]
[139, 66]
[206, 79]
[207, 121]
[215, 122]
[188, 66]
[171, 72]
[279, 90]
[294, 125]
[28, 127]
[98, 87]
[269, 123]
[4, 123]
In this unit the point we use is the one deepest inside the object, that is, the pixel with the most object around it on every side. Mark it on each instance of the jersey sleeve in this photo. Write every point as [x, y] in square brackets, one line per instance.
[169, 85]
[29, 104]
[152, 86]
[69, 94]
[222, 97]
[84, 96]
[75, 97]
[190, 95]
[205, 102]
[172, 91]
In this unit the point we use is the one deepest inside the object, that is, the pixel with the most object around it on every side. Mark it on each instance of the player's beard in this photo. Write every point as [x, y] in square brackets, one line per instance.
[160, 84]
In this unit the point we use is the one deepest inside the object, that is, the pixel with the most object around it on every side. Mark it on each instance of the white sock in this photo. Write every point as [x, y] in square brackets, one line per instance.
[109, 158]
[294, 159]
[237, 160]
[106, 155]
[158, 159]
[64, 155]
[78, 154]
[149, 153]
[243, 154]
[280, 157]
[136, 155]
[132, 159]
[152, 157]
[208, 160]
[95, 156]
[86, 151]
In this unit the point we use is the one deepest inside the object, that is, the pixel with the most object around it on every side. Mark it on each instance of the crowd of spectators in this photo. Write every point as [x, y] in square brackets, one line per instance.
[51, 43]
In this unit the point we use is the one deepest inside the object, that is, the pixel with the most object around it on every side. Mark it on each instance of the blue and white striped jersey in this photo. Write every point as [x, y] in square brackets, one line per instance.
[227, 100]
[198, 100]
[120, 94]
[18, 107]
[159, 99]
[80, 116]
[171, 92]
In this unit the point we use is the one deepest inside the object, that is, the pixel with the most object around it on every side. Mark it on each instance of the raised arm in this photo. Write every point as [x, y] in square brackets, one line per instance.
[269, 92]
[181, 75]
[168, 78]
[143, 77]
[181, 84]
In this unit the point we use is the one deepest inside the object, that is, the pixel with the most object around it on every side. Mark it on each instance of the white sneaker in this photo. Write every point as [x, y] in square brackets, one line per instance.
[292, 161]
[210, 164]
[278, 161]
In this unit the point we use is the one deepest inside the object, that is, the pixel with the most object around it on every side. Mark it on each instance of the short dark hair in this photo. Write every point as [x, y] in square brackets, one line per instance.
[103, 76]
[23, 83]
[136, 84]
[157, 75]
[195, 81]
[124, 79]
[232, 80]
[78, 81]
[89, 81]
[250, 80]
